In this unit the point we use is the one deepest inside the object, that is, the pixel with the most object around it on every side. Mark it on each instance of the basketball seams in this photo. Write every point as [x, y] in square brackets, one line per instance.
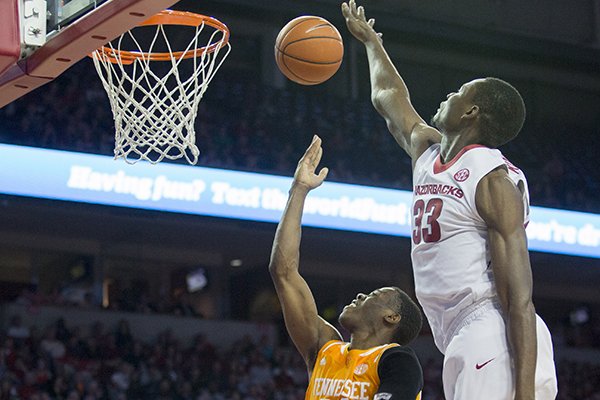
[309, 38]
[308, 61]
[296, 29]
[302, 67]
[291, 28]
[302, 21]
[281, 39]
[282, 63]
[295, 75]
[320, 26]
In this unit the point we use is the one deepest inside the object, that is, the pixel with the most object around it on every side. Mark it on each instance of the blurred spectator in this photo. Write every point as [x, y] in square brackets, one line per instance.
[51, 345]
[16, 330]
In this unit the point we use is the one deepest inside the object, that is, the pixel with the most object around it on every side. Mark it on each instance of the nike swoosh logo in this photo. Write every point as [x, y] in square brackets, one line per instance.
[479, 366]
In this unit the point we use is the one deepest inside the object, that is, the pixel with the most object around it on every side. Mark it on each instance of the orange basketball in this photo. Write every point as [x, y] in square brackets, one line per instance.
[309, 50]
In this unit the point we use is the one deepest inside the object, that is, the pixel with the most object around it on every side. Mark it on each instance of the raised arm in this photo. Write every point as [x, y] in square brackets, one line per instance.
[389, 93]
[308, 331]
[500, 204]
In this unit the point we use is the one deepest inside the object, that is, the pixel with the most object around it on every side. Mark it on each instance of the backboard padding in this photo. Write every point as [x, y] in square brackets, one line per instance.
[10, 45]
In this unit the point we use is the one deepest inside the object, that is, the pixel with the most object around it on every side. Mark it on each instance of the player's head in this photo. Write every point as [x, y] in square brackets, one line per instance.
[492, 106]
[387, 308]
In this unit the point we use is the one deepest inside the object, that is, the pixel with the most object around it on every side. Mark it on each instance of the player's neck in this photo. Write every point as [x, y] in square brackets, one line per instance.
[365, 340]
[452, 144]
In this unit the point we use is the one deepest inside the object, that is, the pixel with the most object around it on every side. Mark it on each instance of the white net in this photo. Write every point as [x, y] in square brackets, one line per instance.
[155, 103]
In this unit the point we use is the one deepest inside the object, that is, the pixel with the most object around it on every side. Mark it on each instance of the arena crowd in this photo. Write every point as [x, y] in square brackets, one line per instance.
[96, 362]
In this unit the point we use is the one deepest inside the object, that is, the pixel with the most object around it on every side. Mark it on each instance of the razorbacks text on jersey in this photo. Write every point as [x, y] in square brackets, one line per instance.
[451, 260]
[343, 373]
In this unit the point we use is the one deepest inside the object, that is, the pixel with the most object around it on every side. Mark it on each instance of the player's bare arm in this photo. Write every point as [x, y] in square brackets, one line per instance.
[389, 93]
[308, 331]
[500, 205]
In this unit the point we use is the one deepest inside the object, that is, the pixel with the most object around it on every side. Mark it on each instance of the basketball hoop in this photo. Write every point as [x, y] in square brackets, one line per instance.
[154, 111]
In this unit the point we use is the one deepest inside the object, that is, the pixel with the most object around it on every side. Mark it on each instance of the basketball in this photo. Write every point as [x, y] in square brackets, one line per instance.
[309, 50]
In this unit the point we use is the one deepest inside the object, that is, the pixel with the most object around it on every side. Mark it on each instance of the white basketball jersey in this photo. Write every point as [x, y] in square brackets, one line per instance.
[450, 252]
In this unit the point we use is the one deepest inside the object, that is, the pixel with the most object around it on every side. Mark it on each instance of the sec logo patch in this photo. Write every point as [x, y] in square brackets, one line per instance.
[361, 369]
[462, 175]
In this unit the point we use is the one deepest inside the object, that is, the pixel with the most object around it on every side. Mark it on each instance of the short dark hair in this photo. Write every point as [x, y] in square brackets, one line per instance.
[501, 111]
[411, 319]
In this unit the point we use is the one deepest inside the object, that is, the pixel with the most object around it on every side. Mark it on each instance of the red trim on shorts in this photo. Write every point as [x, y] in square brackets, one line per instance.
[438, 166]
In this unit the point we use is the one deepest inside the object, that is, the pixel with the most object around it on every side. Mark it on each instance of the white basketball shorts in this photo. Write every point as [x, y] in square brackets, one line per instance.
[477, 363]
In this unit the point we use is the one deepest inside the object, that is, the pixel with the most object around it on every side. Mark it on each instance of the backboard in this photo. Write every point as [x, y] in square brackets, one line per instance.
[40, 39]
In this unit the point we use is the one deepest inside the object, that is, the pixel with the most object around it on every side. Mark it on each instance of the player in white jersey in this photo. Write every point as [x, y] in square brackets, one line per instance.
[469, 250]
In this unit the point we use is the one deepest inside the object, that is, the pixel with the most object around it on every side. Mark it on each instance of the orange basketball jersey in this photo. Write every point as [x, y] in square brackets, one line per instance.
[340, 373]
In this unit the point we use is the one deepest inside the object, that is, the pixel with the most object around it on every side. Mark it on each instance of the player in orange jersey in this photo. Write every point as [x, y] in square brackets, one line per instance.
[375, 364]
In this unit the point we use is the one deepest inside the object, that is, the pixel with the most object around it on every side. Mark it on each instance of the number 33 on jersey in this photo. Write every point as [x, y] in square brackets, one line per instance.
[444, 194]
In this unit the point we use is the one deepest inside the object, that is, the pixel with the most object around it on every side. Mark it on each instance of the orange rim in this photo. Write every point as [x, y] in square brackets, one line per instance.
[169, 17]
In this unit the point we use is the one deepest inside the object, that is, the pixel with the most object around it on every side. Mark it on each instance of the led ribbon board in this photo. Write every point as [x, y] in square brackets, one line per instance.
[61, 175]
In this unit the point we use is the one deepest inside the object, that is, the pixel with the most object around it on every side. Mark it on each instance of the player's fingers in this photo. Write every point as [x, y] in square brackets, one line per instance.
[345, 10]
[318, 156]
[371, 22]
[361, 12]
[316, 142]
[353, 7]
[323, 173]
[313, 148]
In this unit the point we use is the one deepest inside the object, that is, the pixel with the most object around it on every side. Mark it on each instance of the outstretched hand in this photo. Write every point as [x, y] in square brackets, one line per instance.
[357, 22]
[305, 174]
